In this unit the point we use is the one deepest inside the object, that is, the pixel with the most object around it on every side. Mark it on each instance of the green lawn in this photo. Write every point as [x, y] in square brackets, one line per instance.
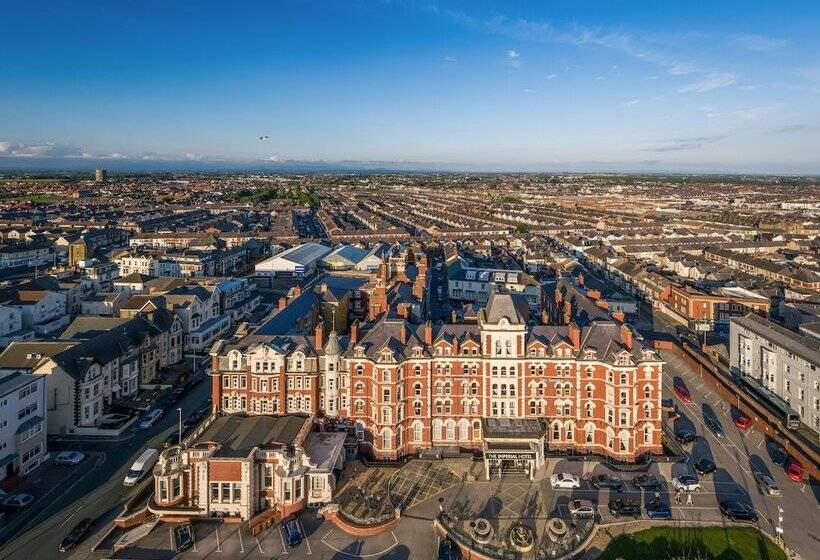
[691, 543]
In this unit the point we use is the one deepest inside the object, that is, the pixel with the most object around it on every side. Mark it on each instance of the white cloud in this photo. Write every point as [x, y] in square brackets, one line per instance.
[449, 59]
[529, 90]
[812, 73]
[44, 150]
[514, 58]
[600, 78]
[680, 69]
[758, 43]
[756, 113]
[550, 76]
[632, 102]
[712, 81]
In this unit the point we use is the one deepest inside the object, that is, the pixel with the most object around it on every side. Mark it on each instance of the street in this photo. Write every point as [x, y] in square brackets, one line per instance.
[99, 493]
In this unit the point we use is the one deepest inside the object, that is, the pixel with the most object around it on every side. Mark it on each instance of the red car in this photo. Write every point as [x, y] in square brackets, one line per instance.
[743, 422]
[683, 393]
[794, 470]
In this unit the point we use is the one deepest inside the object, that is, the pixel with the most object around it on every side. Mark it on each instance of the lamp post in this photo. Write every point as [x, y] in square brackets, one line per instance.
[179, 433]
[779, 528]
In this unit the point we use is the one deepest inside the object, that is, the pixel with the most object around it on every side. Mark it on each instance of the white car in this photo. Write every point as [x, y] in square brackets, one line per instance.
[565, 480]
[581, 508]
[69, 458]
[150, 419]
[686, 482]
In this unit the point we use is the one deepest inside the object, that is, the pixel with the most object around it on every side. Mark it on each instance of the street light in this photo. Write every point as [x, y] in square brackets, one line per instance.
[179, 433]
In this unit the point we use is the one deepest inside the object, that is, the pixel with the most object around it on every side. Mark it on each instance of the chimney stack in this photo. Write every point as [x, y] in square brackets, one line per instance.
[283, 302]
[593, 294]
[559, 297]
[297, 291]
[626, 336]
[618, 316]
[581, 279]
[354, 332]
[319, 335]
[428, 333]
[403, 333]
[545, 317]
[575, 336]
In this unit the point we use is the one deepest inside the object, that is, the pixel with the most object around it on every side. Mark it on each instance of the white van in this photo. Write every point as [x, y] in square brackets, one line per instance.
[141, 467]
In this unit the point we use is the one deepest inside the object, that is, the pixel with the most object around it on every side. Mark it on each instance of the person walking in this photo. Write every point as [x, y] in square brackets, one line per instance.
[688, 499]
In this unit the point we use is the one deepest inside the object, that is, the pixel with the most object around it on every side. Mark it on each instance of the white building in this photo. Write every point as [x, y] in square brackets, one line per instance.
[299, 262]
[22, 423]
[11, 326]
[782, 361]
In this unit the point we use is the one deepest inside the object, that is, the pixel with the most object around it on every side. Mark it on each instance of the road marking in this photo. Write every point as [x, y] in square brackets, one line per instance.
[307, 541]
[259, 544]
[241, 544]
[193, 538]
[218, 545]
[70, 516]
[280, 530]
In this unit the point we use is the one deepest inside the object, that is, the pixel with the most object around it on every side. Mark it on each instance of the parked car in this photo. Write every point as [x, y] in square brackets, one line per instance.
[778, 455]
[646, 481]
[704, 466]
[446, 550]
[69, 458]
[175, 395]
[623, 507]
[76, 534]
[743, 422]
[686, 482]
[656, 509]
[565, 480]
[683, 393]
[18, 501]
[151, 418]
[293, 532]
[714, 426]
[738, 511]
[582, 508]
[606, 481]
[795, 471]
[767, 484]
[685, 436]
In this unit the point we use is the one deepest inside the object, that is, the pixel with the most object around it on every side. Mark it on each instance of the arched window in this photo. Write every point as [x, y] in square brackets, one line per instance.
[451, 430]
[647, 434]
[610, 438]
[417, 370]
[624, 441]
[647, 391]
[360, 369]
[589, 433]
[569, 433]
[590, 389]
[447, 388]
[556, 431]
[387, 439]
[463, 430]
[567, 389]
[417, 389]
[567, 409]
[417, 431]
[623, 379]
[647, 410]
[476, 430]
[417, 408]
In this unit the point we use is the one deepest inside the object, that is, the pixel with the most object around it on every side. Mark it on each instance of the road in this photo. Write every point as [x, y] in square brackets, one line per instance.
[101, 493]
[738, 455]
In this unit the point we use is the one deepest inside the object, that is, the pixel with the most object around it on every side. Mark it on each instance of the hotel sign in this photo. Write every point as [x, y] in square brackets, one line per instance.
[510, 456]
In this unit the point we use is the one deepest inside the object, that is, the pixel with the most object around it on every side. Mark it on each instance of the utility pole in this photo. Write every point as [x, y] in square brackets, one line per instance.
[179, 433]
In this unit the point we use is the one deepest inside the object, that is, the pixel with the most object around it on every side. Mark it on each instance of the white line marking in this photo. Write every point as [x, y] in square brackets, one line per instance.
[193, 537]
[70, 516]
[307, 541]
[241, 544]
[218, 545]
[280, 530]
[259, 544]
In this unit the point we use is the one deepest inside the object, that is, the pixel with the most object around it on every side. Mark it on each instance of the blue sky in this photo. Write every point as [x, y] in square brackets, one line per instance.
[547, 85]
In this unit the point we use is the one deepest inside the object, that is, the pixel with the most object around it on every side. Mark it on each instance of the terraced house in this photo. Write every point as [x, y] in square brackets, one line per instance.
[405, 386]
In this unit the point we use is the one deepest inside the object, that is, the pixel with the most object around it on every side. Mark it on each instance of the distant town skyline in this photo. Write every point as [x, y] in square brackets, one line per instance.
[404, 85]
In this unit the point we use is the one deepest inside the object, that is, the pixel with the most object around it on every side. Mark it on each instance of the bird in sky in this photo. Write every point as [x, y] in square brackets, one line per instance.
[264, 138]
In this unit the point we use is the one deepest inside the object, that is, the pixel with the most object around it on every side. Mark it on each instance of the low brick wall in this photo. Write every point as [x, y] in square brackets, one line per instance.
[357, 530]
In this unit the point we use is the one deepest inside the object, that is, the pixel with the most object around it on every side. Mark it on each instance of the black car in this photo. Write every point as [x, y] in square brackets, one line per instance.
[623, 507]
[446, 550]
[685, 436]
[713, 425]
[606, 481]
[738, 511]
[172, 439]
[647, 481]
[657, 509]
[76, 534]
[293, 532]
[704, 466]
[779, 456]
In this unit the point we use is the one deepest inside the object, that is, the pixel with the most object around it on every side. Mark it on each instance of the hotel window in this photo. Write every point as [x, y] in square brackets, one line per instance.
[647, 391]
[359, 369]
[163, 490]
[237, 492]
[214, 491]
[623, 379]
[556, 432]
[417, 432]
[286, 491]
[176, 489]
[226, 382]
[609, 377]
[417, 408]
[225, 492]
[623, 397]
[417, 370]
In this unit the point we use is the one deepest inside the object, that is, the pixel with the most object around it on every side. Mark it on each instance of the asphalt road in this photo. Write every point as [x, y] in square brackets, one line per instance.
[99, 493]
[738, 455]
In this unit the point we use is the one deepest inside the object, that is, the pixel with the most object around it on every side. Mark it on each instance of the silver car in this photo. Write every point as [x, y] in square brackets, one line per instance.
[766, 484]
[581, 508]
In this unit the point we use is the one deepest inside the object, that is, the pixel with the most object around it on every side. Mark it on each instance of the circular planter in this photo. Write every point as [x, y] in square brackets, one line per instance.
[522, 538]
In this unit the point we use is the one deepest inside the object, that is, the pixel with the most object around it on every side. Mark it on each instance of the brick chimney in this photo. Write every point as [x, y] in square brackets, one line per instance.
[545, 317]
[593, 294]
[428, 333]
[319, 335]
[575, 336]
[602, 303]
[354, 332]
[559, 297]
[626, 336]
[581, 279]
[297, 291]
[403, 333]
[283, 302]
[618, 316]
[567, 312]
